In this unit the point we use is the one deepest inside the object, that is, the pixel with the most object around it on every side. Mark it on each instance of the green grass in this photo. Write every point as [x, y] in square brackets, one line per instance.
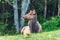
[52, 35]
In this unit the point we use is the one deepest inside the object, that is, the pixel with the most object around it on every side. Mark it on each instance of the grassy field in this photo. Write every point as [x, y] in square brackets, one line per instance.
[52, 35]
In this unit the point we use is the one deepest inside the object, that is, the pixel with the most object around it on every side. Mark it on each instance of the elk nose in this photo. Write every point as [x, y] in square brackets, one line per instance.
[23, 17]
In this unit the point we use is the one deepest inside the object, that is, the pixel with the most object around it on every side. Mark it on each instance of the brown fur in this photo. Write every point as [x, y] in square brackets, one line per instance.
[26, 31]
[32, 21]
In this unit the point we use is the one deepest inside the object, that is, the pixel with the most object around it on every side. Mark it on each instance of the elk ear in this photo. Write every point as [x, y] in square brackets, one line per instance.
[30, 11]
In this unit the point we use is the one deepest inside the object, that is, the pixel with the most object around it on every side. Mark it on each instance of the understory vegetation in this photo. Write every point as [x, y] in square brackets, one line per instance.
[48, 25]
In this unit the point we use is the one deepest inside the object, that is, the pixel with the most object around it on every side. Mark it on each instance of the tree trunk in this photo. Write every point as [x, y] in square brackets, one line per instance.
[54, 7]
[24, 8]
[45, 10]
[58, 7]
[16, 16]
[3, 12]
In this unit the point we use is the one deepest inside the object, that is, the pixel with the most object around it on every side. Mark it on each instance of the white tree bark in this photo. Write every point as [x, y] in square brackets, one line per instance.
[16, 16]
[24, 8]
[58, 7]
[45, 10]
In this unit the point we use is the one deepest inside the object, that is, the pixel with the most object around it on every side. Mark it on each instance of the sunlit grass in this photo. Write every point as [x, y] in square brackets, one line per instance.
[52, 35]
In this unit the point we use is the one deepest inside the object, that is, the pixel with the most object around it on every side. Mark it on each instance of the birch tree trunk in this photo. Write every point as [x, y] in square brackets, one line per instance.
[24, 8]
[58, 7]
[45, 10]
[16, 16]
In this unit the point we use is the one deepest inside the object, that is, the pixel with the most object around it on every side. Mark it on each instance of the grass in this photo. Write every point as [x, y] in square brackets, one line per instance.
[52, 35]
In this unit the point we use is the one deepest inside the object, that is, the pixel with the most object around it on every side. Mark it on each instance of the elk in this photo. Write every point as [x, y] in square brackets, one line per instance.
[34, 25]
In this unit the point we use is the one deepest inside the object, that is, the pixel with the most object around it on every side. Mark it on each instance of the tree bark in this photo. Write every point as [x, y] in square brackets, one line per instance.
[24, 8]
[58, 7]
[45, 10]
[16, 16]
[54, 7]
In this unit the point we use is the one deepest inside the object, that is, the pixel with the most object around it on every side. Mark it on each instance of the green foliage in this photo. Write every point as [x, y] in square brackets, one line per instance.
[2, 26]
[9, 30]
[52, 24]
[40, 19]
[6, 15]
[3, 1]
[5, 29]
[12, 1]
[26, 23]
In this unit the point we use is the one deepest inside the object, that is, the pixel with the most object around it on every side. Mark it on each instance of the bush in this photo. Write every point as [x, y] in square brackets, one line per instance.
[5, 29]
[52, 24]
[40, 19]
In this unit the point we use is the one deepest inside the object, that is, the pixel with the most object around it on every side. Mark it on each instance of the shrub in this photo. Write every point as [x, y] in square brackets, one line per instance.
[4, 29]
[52, 24]
[40, 19]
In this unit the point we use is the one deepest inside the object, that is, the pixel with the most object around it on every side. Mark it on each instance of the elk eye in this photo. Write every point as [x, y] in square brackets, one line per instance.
[33, 14]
